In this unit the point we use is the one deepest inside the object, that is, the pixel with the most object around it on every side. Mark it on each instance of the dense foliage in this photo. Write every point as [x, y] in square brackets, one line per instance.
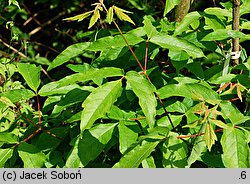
[135, 90]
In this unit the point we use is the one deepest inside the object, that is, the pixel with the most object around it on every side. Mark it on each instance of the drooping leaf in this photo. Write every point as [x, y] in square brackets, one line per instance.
[73, 160]
[221, 34]
[89, 145]
[127, 136]
[94, 18]
[70, 52]
[235, 148]
[122, 16]
[17, 95]
[198, 148]
[110, 15]
[194, 91]
[30, 73]
[210, 136]
[31, 156]
[134, 157]
[186, 22]
[145, 92]
[5, 154]
[177, 44]
[93, 141]
[230, 112]
[174, 152]
[80, 17]
[170, 4]
[99, 102]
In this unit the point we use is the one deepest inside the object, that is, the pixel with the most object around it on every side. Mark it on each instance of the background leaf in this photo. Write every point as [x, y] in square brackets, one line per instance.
[30, 73]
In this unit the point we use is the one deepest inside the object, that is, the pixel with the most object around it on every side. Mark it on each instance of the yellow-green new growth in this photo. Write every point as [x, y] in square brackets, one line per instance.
[121, 14]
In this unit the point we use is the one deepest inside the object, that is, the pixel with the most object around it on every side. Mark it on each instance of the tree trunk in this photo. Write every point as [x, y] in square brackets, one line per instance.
[236, 26]
[182, 10]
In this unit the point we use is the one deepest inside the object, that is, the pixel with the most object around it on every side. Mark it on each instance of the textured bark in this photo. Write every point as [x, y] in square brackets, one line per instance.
[182, 10]
[236, 26]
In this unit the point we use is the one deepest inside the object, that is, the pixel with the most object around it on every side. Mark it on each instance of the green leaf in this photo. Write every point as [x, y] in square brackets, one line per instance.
[9, 138]
[6, 101]
[94, 18]
[127, 136]
[70, 52]
[145, 92]
[235, 148]
[186, 22]
[93, 141]
[218, 12]
[169, 5]
[174, 152]
[245, 25]
[54, 88]
[122, 16]
[148, 162]
[219, 123]
[134, 157]
[222, 34]
[229, 111]
[5, 154]
[210, 136]
[31, 156]
[68, 83]
[89, 145]
[47, 142]
[194, 91]
[214, 22]
[198, 148]
[73, 160]
[99, 102]
[156, 133]
[17, 95]
[80, 17]
[177, 44]
[73, 97]
[148, 27]
[110, 15]
[30, 73]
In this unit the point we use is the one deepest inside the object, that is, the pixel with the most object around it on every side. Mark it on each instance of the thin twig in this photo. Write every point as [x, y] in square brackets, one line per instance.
[34, 31]
[146, 57]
